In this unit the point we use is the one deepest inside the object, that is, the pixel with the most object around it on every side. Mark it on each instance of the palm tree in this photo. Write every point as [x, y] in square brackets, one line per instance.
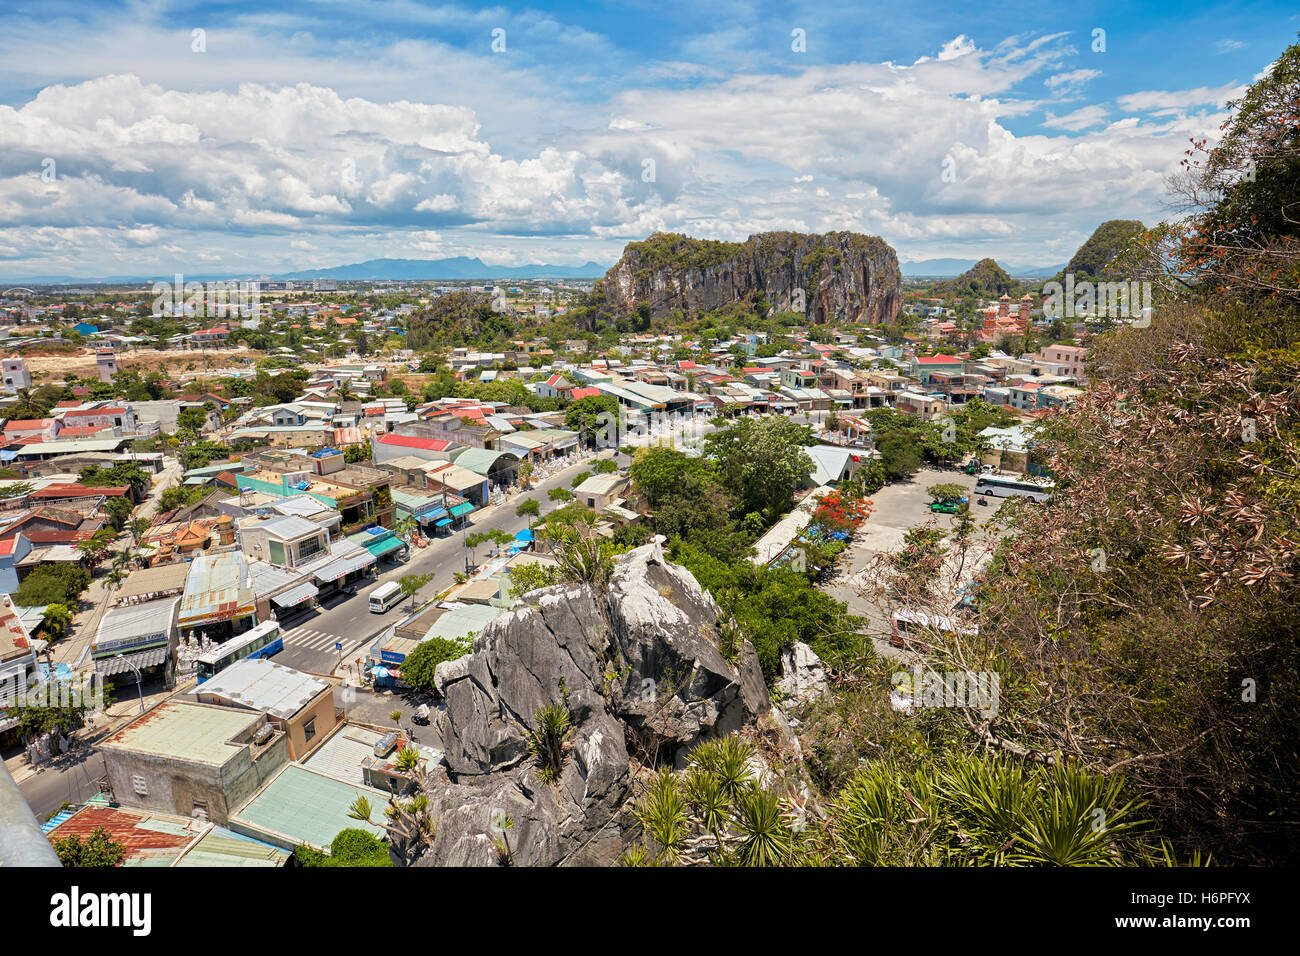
[405, 526]
[138, 527]
[27, 407]
[58, 618]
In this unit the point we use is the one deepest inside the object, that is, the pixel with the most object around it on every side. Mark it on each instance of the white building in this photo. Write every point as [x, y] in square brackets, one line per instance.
[16, 375]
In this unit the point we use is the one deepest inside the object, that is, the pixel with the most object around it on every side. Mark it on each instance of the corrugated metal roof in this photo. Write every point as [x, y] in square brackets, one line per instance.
[108, 666]
[264, 685]
[340, 757]
[154, 618]
[197, 733]
[217, 589]
[459, 621]
[307, 807]
[345, 565]
[222, 847]
[149, 840]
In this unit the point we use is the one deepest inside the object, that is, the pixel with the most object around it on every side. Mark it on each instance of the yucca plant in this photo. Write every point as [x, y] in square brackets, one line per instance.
[554, 724]
[866, 812]
[1078, 821]
[408, 758]
[765, 837]
[708, 799]
[727, 759]
[985, 802]
[662, 812]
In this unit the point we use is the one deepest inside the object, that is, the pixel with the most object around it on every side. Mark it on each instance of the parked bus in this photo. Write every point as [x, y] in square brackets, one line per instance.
[262, 641]
[1012, 487]
[384, 597]
[919, 630]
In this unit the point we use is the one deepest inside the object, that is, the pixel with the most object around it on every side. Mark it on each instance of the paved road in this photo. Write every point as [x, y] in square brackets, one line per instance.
[71, 779]
[309, 640]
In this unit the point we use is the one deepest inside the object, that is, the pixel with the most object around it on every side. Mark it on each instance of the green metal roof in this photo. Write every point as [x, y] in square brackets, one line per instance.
[384, 547]
[480, 460]
[222, 847]
[301, 806]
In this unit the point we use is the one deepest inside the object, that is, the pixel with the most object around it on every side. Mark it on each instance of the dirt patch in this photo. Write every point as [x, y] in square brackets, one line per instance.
[55, 366]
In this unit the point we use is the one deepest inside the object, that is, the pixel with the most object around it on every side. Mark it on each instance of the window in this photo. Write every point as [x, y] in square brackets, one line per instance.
[309, 729]
[200, 809]
[138, 785]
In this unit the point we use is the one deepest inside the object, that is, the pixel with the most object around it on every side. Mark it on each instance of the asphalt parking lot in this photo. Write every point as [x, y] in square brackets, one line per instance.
[898, 508]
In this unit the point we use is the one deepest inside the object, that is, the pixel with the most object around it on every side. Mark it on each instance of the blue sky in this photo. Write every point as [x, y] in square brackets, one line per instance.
[150, 137]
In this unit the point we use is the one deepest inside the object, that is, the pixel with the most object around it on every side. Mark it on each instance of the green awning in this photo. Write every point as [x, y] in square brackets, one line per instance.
[461, 509]
[381, 548]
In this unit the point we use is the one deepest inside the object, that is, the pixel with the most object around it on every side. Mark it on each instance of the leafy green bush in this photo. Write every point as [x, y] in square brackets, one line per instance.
[420, 664]
[352, 847]
[58, 583]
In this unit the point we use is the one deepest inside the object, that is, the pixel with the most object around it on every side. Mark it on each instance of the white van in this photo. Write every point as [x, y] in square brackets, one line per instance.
[384, 597]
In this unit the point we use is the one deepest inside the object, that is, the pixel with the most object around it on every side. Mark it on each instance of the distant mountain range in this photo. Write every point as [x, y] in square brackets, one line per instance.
[465, 268]
[951, 268]
[459, 268]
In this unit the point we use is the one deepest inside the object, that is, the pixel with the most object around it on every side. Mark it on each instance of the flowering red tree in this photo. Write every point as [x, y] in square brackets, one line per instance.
[838, 512]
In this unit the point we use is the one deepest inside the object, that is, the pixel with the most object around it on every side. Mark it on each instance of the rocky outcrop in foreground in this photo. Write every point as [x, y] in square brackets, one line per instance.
[643, 673]
[839, 276]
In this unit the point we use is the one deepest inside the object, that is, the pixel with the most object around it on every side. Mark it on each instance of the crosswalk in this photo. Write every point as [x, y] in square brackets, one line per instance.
[313, 640]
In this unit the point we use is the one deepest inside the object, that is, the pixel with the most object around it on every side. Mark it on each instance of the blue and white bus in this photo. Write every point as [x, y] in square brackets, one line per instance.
[262, 641]
[1035, 490]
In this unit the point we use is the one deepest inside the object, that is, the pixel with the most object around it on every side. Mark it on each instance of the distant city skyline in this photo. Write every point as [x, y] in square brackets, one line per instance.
[151, 137]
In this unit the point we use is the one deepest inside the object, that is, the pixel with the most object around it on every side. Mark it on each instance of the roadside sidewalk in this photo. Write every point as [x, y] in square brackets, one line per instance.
[125, 710]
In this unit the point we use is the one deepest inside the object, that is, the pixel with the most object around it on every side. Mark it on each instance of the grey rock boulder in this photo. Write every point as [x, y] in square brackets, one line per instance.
[640, 668]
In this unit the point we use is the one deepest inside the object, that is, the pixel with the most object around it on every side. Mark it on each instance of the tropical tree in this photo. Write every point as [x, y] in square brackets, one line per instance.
[97, 850]
[58, 618]
[530, 509]
[94, 548]
[138, 528]
[411, 584]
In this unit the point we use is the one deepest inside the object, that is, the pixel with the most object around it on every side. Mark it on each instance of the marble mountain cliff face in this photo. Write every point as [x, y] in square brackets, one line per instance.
[840, 276]
[641, 667]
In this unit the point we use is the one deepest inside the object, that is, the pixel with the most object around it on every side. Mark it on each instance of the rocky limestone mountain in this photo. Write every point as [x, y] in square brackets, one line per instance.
[644, 677]
[843, 276]
[1094, 258]
[986, 279]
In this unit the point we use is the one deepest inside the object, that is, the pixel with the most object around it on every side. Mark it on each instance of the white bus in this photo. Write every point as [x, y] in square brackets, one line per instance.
[919, 630]
[1035, 490]
[384, 597]
[262, 641]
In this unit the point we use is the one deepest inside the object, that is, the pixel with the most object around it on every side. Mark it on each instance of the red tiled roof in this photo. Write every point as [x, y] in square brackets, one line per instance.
[28, 424]
[585, 393]
[411, 441]
[938, 360]
[115, 410]
[81, 491]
